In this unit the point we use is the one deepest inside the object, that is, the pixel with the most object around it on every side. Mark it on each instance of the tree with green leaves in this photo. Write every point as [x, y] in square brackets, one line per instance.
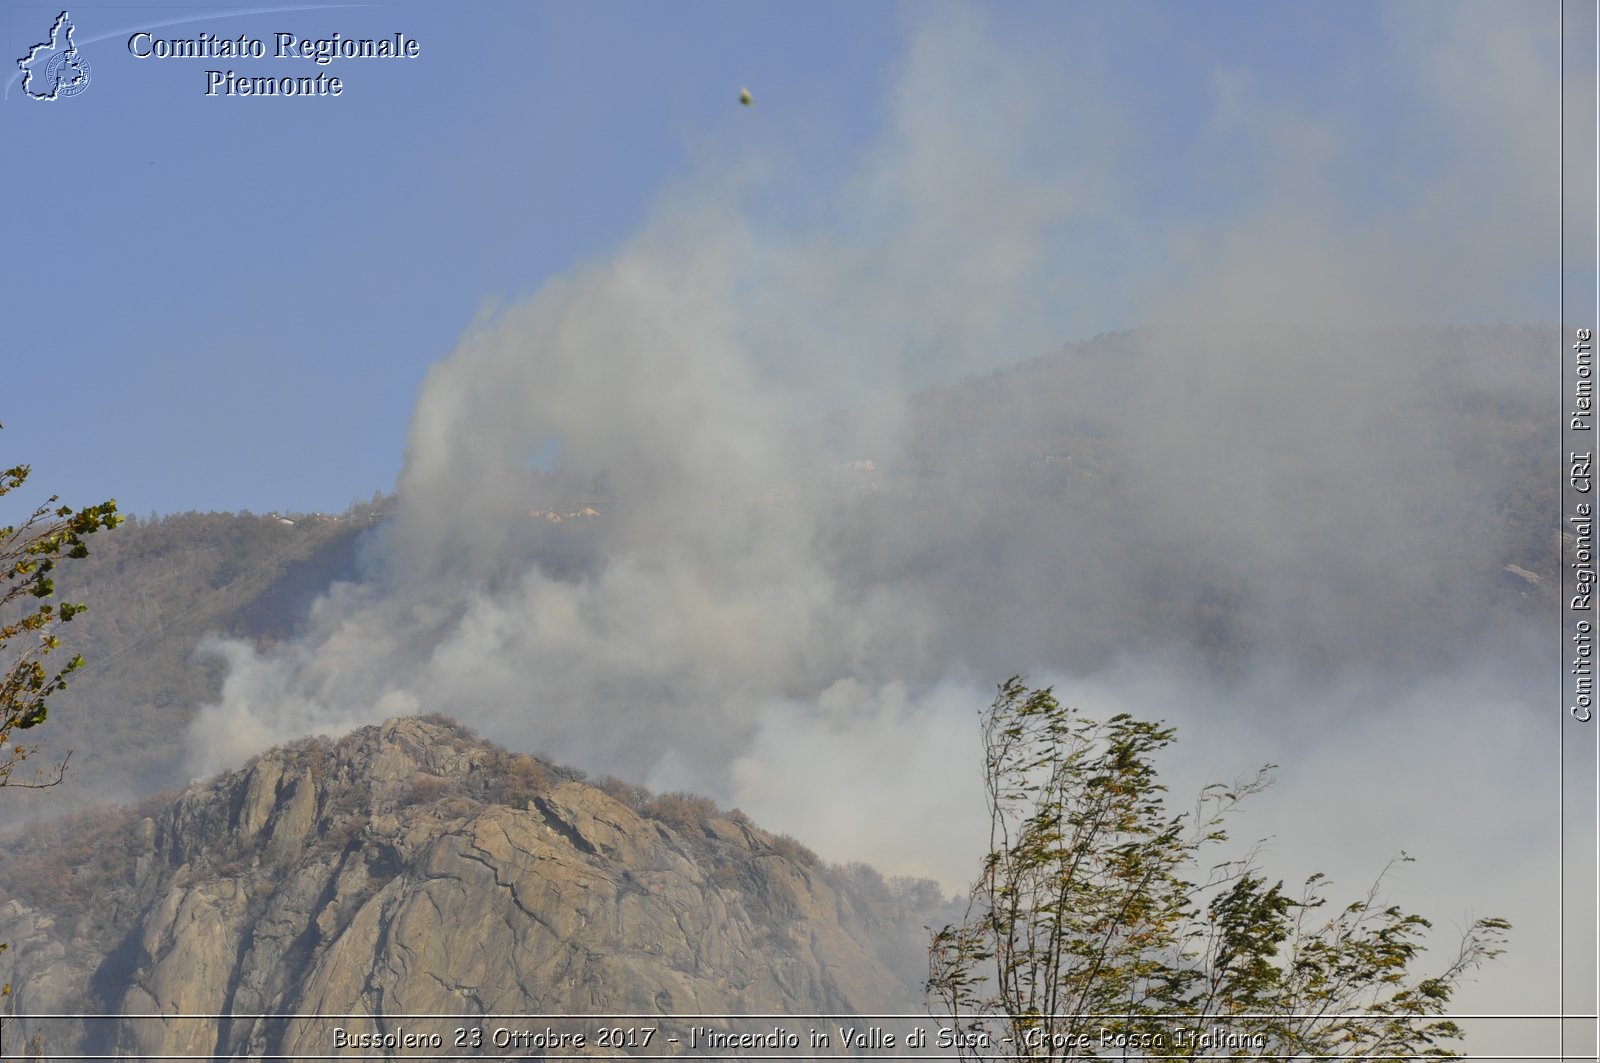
[29, 554]
[1099, 928]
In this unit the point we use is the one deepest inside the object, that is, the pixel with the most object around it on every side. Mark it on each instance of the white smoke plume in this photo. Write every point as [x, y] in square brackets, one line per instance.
[739, 620]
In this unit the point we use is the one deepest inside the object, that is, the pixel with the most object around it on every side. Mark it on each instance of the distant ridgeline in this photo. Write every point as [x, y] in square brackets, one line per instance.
[154, 590]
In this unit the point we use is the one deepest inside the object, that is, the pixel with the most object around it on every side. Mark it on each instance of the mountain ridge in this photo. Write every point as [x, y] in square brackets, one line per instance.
[411, 868]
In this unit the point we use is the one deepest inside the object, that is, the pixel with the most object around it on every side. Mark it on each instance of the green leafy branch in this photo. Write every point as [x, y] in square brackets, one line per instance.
[29, 555]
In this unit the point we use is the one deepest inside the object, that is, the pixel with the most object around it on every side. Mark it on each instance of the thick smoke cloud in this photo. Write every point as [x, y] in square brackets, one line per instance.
[654, 639]
[1282, 493]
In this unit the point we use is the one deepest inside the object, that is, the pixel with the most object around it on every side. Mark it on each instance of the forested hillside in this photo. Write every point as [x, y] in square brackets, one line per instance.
[155, 589]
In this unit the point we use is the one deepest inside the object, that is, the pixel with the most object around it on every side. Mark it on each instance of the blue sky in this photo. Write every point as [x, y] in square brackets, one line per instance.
[232, 303]
[254, 292]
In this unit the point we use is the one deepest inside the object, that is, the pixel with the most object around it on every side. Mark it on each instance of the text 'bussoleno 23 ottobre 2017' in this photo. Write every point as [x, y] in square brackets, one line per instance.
[285, 47]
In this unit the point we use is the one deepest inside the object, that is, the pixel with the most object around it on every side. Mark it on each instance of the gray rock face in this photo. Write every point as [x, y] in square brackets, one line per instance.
[411, 870]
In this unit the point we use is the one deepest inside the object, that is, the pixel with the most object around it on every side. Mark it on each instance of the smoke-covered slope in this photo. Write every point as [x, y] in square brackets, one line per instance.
[412, 869]
[1366, 503]
[155, 590]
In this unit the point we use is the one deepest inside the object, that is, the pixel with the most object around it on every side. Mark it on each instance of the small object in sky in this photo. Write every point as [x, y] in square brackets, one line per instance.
[745, 97]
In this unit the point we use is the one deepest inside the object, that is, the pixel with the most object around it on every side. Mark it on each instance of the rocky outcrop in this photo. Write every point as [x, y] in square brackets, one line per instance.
[409, 870]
